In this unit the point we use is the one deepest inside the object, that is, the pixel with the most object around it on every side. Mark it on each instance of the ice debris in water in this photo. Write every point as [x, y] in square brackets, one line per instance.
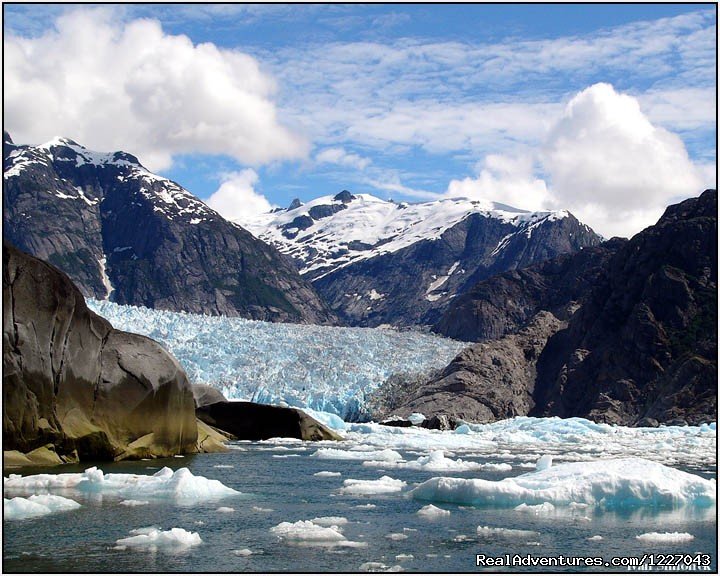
[618, 483]
[180, 485]
[327, 474]
[133, 503]
[378, 567]
[506, 532]
[311, 533]
[384, 485]
[435, 462]
[243, 552]
[154, 539]
[325, 368]
[36, 505]
[665, 537]
[432, 512]
[544, 508]
[543, 463]
[368, 455]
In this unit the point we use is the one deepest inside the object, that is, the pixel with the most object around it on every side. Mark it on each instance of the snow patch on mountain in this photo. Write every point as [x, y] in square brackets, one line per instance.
[329, 233]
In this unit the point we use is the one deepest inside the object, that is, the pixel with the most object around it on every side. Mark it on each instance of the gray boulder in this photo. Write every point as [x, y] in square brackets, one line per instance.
[75, 385]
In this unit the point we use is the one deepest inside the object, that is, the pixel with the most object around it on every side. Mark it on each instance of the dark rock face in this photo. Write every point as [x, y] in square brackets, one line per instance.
[416, 285]
[635, 342]
[644, 344]
[250, 421]
[505, 303]
[488, 381]
[73, 382]
[117, 230]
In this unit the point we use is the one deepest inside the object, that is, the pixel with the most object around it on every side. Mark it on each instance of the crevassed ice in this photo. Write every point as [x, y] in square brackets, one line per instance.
[328, 369]
[610, 484]
[181, 485]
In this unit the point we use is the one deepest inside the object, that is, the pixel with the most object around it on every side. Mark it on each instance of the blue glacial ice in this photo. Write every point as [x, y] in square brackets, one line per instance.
[327, 369]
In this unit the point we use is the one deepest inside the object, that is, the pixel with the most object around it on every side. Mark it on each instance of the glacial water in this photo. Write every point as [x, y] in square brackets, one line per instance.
[279, 483]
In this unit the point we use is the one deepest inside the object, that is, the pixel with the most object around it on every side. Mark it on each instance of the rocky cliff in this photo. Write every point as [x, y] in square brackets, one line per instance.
[121, 232]
[640, 345]
[644, 343]
[505, 303]
[73, 387]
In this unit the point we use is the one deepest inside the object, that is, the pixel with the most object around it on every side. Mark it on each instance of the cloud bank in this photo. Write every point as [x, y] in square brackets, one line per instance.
[236, 198]
[131, 86]
[604, 161]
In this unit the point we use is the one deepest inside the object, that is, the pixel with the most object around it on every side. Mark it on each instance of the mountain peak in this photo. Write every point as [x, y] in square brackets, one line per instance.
[345, 197]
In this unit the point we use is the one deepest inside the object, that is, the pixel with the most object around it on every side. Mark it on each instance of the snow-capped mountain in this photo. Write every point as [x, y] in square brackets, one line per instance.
[380, 262]
[124, 233]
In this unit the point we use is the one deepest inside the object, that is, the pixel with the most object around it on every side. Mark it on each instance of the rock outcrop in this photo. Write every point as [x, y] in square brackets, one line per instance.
[639, 346]
[489, 381]
[124, 233]
[644, 343]
[507, 302]
[250, 421]
[75, 387]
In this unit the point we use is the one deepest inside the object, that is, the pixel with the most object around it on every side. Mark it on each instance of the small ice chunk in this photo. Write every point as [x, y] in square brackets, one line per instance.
[665, 537]
[225, 510]
[402, 557]
[365, 506]
[134, 502]
[396, 536]
[506, 532]
[544, 508]
[595, 538]
[223, 466]
[261, 509]
[309, 533]
[330, 521]
[432, 512]
[379, 567]
[386, 455]
[154, 539]
[543, 463]
[37, 505]
[417, 418]
[243, 552]
[327, 474]
[384, 485]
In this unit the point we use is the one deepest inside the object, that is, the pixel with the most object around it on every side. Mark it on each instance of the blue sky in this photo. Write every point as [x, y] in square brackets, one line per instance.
[607, 110]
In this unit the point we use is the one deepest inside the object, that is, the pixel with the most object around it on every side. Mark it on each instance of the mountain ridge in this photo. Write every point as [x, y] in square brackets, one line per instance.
[116, 228]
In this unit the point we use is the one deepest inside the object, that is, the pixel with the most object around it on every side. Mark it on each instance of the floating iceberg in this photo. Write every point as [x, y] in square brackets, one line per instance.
[368, 455]
[328, 369]
[327, 474]
[620, 483]
[505, 532]
[154, 539]
[181, 485]
[37, 505]
[311, 533]
[432, 512]
[665, 537]
[384, 485]
[435, 462]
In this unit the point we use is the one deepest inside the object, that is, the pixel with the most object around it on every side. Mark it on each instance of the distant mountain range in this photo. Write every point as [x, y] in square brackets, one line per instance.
[124, 233]
[379, 262]
[121, 232]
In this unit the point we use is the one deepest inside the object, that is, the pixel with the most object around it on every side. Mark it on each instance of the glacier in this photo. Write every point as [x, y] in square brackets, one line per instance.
[326, 369]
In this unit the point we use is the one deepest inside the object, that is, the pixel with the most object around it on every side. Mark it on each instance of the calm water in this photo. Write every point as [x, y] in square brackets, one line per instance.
[83, 539]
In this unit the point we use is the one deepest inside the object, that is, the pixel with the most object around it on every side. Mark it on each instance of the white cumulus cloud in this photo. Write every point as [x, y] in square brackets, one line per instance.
[114, 85]
[343, 158]
[602, 159]
[236, 198]
[612, 167]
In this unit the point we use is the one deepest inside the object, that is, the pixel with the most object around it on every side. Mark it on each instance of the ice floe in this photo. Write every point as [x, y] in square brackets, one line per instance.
[432, 512]
[665, 537]
[384, 485]
[327, 474]
[619, 483]
[436, 461]
[311, 533]
[353, 454]
[37, 505]
[181, 485]
[505, 532]
[133, 503]
[154, 539]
